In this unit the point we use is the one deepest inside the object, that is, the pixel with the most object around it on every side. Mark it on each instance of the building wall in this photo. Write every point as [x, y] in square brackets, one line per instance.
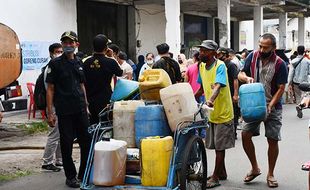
[271, 26]
[38, 21]
[150, 27]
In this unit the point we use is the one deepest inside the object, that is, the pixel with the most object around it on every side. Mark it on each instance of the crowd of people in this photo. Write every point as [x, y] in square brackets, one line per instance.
[77, 89]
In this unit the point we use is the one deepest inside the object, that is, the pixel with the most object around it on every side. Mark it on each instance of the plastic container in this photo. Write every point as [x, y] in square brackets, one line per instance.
[179, 103]
[110, 163]
[124, 119]
[151, 120]
[155, 158]
[124, 89]
[151, 81]
[252, 102]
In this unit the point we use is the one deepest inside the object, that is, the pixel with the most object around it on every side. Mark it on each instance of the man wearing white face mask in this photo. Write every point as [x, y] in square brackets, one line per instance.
[149, 63]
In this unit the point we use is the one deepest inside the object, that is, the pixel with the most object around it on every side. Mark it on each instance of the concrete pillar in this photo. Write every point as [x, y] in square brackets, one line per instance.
[282, 30]
[258, 24]
[235, 36]
[210, 28]
[301, 30]
[223, 13]
[132, 40]
[173, 26]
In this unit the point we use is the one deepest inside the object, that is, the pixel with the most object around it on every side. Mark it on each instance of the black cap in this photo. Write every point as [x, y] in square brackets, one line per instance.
[69, 34]
[162, 48]
[223, 50]
[208, 44]
[100, 42]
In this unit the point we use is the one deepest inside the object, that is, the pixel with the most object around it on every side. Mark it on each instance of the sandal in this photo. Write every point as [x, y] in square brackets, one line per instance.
[211, 183]
[250, 176]
[306, 166]
[220, 178]
[272, 182]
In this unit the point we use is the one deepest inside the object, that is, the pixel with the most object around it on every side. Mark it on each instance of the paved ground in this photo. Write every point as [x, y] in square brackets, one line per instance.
[294, 150]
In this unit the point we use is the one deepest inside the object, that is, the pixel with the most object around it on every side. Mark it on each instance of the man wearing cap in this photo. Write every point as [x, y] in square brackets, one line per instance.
[99, 70]
[66, 91]
[214, 80]
[167, 63]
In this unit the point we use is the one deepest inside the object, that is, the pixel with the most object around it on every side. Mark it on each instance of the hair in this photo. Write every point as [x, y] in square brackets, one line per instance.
[141, 58]
[54, 46]
[171, 55]
[301, 50]
[196, 55]
[245, 51]
[149, 54]
[100, 43]
[115, 48]
[271, 37]
[122, 55]
[162, 48]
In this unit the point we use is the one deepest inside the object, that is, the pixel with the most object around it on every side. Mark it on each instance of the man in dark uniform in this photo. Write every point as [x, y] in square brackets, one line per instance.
[99, 71]
[167, 63]
[66, 91]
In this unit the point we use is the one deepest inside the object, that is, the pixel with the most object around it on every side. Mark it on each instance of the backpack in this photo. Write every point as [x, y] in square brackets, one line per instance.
[40, 92]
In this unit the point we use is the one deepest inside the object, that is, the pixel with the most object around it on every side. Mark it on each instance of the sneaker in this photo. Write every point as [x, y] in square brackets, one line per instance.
[51, 167]
[73, 183]
[299, 111]
[59, 164]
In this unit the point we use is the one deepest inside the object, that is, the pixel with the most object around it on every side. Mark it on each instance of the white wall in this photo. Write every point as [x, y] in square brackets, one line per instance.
[38, 20]
[150, 27]
[270, 26]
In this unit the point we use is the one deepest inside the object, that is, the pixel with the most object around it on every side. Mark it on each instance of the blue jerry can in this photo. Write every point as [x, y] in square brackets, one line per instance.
[253, 105]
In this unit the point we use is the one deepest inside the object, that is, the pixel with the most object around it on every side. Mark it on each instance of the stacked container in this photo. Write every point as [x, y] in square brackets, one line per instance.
[179, 103]
[151, 121]
[151, 81]
[123, 121]
[155, 160]
[110, 163]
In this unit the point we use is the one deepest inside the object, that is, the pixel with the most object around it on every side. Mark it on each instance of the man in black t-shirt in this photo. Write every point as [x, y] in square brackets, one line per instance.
[168, 64]
[99, 71]
[65, 90]
[232, 71]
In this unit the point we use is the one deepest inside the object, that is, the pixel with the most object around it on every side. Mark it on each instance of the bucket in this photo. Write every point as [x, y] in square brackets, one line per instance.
[151, 81]
[124, 119]
[179, 103]
[252, 102]
[151, 120]
[110, 163]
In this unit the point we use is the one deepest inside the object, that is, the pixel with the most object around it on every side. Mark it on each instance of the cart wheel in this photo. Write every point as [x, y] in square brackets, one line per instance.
[193, 172]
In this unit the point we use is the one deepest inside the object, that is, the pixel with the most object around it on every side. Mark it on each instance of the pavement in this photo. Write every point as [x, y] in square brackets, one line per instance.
[294, 150]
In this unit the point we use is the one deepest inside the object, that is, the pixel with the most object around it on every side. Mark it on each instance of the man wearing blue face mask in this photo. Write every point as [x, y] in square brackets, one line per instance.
[66, 91]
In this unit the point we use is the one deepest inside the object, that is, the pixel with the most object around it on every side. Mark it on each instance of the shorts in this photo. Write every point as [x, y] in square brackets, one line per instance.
[220, 136]
[273, 125]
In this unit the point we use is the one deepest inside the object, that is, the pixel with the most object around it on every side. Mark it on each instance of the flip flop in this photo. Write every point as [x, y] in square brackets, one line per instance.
[272, 183]
[306, 166]
[211, 183]
[250, 176]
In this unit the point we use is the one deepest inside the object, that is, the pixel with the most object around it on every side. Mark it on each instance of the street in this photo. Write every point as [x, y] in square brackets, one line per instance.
[294, 150]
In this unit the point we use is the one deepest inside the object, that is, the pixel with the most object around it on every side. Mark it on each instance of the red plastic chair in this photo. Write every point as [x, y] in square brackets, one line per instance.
[32, 106]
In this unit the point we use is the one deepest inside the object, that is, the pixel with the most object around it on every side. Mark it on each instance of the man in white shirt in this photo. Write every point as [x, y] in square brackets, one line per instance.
[127, 69]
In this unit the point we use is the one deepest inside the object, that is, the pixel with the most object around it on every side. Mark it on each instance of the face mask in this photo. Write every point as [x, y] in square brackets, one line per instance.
[149, 62]
[265, 55]
[56, 55]
[68, 49]
[203, 58]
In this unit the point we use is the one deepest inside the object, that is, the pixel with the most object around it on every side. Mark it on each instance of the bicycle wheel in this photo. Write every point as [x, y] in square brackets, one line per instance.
[193, 172]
